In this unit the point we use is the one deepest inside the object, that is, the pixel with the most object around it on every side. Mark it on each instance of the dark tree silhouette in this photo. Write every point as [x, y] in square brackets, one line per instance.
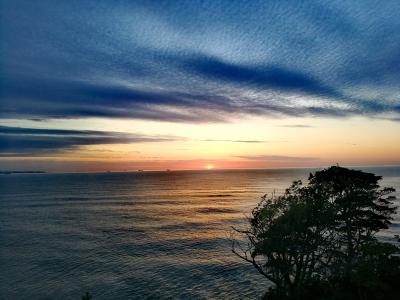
[322, 235]
[87, 296]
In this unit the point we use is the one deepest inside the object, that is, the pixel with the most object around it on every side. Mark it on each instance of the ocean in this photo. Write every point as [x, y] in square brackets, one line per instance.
[137, 235]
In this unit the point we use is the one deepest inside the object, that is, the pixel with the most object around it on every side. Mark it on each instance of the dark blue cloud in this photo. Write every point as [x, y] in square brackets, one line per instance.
[58, 99]
[17, 141]
[199, 61]
[264, 77]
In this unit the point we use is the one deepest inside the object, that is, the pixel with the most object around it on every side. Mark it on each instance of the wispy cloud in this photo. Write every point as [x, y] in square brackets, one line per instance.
[16, 141]
[176, 62]
[235, 141]
[296, 126]
[278, 158]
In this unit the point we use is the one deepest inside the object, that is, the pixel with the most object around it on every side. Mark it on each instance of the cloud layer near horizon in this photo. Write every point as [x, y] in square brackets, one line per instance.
[189, 61]
[20, 142]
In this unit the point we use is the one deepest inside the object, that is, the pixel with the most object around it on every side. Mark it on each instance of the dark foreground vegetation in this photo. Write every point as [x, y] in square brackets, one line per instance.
[318, 241]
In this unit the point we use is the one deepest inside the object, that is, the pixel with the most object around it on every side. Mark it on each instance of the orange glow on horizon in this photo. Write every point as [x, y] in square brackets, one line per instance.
[240, 144]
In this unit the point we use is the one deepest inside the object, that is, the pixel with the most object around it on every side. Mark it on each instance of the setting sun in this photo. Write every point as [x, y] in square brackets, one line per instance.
[209, 166]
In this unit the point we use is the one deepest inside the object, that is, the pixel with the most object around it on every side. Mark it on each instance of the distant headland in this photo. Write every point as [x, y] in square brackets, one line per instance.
[20, 172]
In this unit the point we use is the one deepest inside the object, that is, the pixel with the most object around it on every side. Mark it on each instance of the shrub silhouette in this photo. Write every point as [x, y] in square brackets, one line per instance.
[87, 296]
[318, 241]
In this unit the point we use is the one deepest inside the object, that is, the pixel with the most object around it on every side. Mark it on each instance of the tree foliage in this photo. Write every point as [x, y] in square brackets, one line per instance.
[87, 296]
[322, 235]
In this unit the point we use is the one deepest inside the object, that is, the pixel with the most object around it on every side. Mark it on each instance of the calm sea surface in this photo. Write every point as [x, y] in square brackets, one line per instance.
[146, 235]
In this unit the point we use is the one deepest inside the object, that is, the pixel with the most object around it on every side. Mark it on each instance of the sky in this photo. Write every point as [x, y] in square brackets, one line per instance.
[155, 85]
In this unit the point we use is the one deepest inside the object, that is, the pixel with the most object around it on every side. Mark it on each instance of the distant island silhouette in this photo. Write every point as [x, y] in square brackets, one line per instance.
[20, 172]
